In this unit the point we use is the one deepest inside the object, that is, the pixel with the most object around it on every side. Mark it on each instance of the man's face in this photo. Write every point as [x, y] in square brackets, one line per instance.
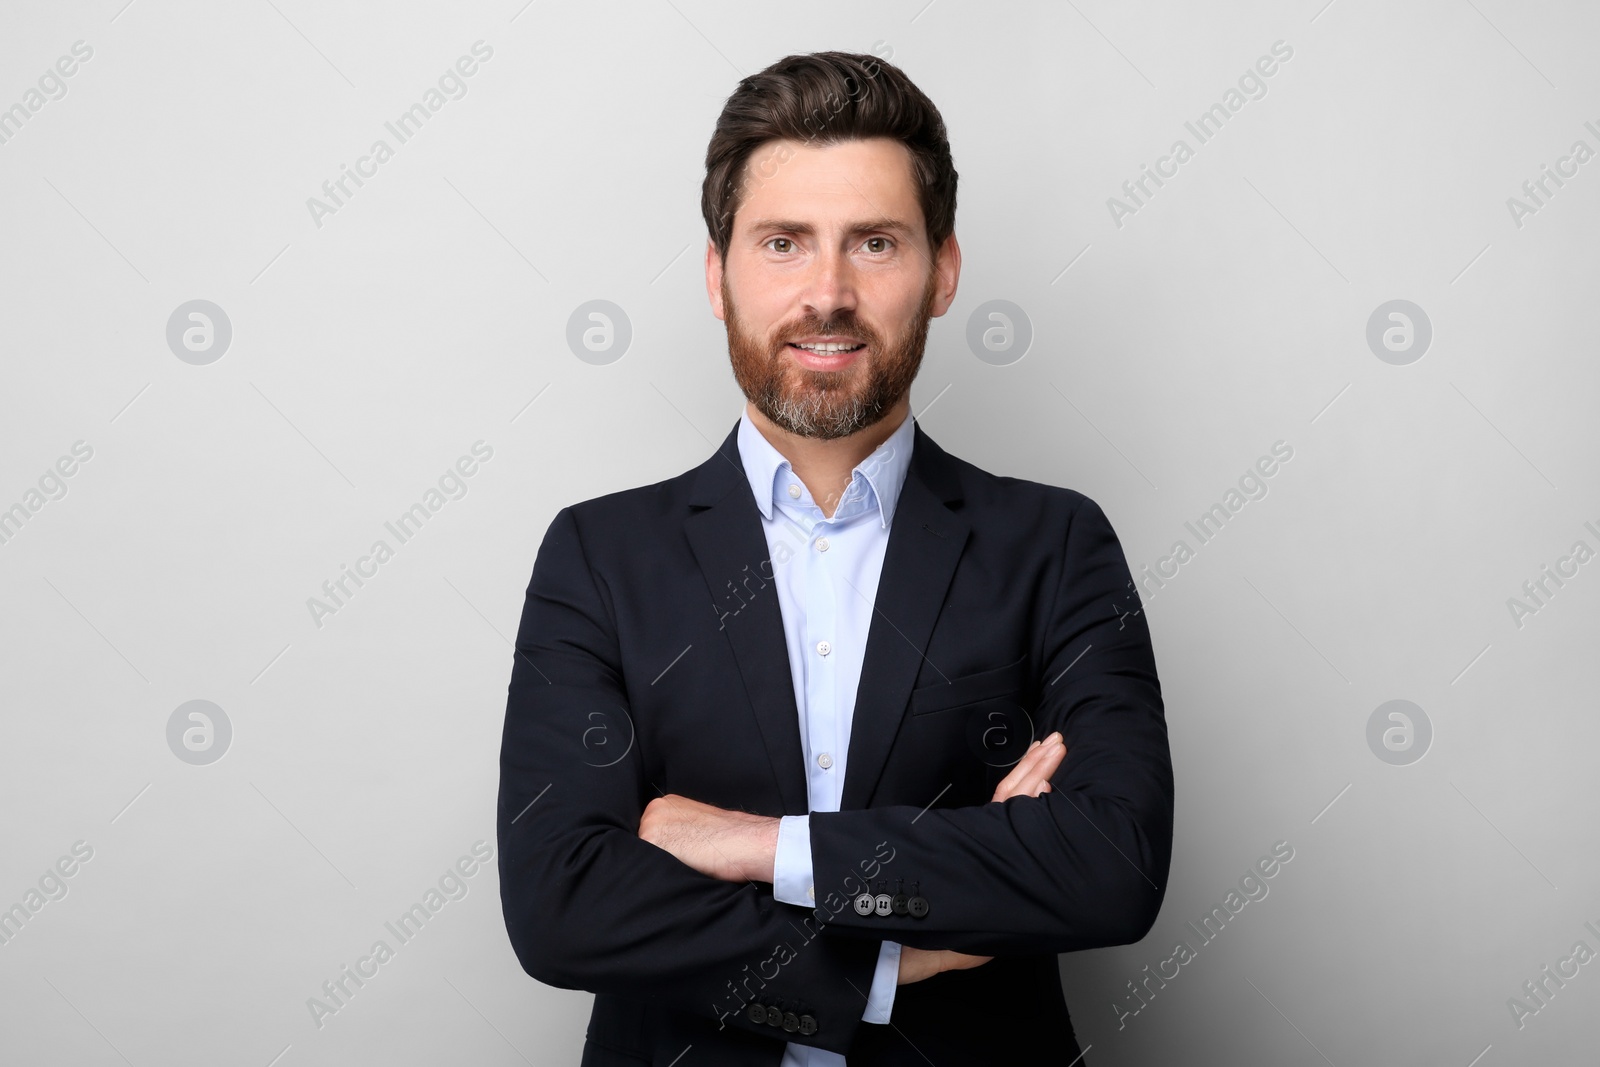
[829, 251]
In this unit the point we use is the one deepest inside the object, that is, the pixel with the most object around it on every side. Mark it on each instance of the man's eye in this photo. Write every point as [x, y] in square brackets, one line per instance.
[783, 241]
[881, 240]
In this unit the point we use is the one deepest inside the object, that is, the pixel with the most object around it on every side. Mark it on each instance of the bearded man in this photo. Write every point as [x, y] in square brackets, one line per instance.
[916, 747]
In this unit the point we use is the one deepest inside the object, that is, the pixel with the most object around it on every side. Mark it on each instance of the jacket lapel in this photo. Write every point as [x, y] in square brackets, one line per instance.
[724, 530]
[925, 542]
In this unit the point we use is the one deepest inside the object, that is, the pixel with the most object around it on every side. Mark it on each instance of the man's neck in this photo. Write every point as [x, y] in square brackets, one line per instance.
[826, 466]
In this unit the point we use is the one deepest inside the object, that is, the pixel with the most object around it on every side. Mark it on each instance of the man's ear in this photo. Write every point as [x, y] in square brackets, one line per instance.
[947, 270]
[714, 279]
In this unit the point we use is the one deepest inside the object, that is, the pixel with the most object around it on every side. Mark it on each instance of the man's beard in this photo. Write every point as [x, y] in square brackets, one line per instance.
[827, 404]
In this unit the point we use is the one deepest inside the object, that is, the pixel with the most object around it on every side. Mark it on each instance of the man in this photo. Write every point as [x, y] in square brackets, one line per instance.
[915, 750]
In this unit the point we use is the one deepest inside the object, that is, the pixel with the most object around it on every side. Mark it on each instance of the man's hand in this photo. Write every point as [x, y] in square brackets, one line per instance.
[734, 846]
[1029, 778]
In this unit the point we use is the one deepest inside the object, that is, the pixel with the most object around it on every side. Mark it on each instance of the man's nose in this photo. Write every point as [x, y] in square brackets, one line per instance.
[831, 287]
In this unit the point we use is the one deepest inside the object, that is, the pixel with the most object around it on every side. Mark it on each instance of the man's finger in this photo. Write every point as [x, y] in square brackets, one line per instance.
[1013, 779]
[1033, 770]
[1014, 783]
[1050, 759]
[1039, 776]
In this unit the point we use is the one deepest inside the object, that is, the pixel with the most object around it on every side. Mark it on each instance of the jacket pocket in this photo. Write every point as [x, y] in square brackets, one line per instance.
[1010, 680]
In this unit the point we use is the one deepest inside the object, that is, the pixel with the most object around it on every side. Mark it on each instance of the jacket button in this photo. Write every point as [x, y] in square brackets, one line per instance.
[791, 1021]
[756, 1013]
[918, 906]
[865, 904]
[883, 904]
[808, 1025]
[774, 1016]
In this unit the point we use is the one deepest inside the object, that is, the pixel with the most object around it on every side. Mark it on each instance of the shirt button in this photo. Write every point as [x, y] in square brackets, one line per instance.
[811, 892]
[823, 648]
[794, 492]
[824, 761]
[822, 544]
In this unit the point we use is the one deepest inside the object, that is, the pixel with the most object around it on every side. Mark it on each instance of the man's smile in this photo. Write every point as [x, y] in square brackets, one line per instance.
[826, 353]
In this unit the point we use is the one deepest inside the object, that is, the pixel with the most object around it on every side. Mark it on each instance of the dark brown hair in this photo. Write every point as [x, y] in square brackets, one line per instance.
[824, 98]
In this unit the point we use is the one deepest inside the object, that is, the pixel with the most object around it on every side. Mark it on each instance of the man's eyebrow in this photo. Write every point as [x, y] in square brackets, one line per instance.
[795, 226]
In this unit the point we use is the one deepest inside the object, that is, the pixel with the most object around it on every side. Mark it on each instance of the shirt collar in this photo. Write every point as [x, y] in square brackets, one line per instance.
[880, 476]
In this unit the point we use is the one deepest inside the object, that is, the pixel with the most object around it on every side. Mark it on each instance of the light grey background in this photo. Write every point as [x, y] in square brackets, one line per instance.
[430, 312]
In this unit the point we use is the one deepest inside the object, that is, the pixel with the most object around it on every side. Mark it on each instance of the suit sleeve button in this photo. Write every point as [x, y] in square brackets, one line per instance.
[808, 1025]
[791, 1021]
[756, 1013]
[774, 1016]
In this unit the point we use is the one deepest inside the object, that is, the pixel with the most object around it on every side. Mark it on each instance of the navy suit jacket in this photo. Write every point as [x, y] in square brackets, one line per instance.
[650, 659]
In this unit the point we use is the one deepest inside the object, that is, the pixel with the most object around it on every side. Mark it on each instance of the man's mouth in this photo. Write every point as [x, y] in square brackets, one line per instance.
[829, 349]
[829, 356]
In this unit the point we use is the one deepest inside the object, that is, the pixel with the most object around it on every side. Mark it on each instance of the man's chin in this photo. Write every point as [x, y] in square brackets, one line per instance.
[799, 414]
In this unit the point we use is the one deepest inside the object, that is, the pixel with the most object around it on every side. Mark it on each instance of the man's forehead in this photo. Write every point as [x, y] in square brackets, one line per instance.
[854, 180]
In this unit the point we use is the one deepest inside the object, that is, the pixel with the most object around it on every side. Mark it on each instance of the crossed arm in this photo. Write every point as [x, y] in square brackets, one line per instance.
[736, 846]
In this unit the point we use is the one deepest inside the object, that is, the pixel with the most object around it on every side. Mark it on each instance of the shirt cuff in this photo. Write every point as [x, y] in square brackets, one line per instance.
[885, 980]
[791, 862]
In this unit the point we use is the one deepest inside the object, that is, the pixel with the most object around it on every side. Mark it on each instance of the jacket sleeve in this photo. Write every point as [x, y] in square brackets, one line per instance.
[1082, 866]
[792, 884]
[587, 903]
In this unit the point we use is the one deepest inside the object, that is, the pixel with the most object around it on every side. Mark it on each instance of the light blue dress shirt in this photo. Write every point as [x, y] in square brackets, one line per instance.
[826, 573]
